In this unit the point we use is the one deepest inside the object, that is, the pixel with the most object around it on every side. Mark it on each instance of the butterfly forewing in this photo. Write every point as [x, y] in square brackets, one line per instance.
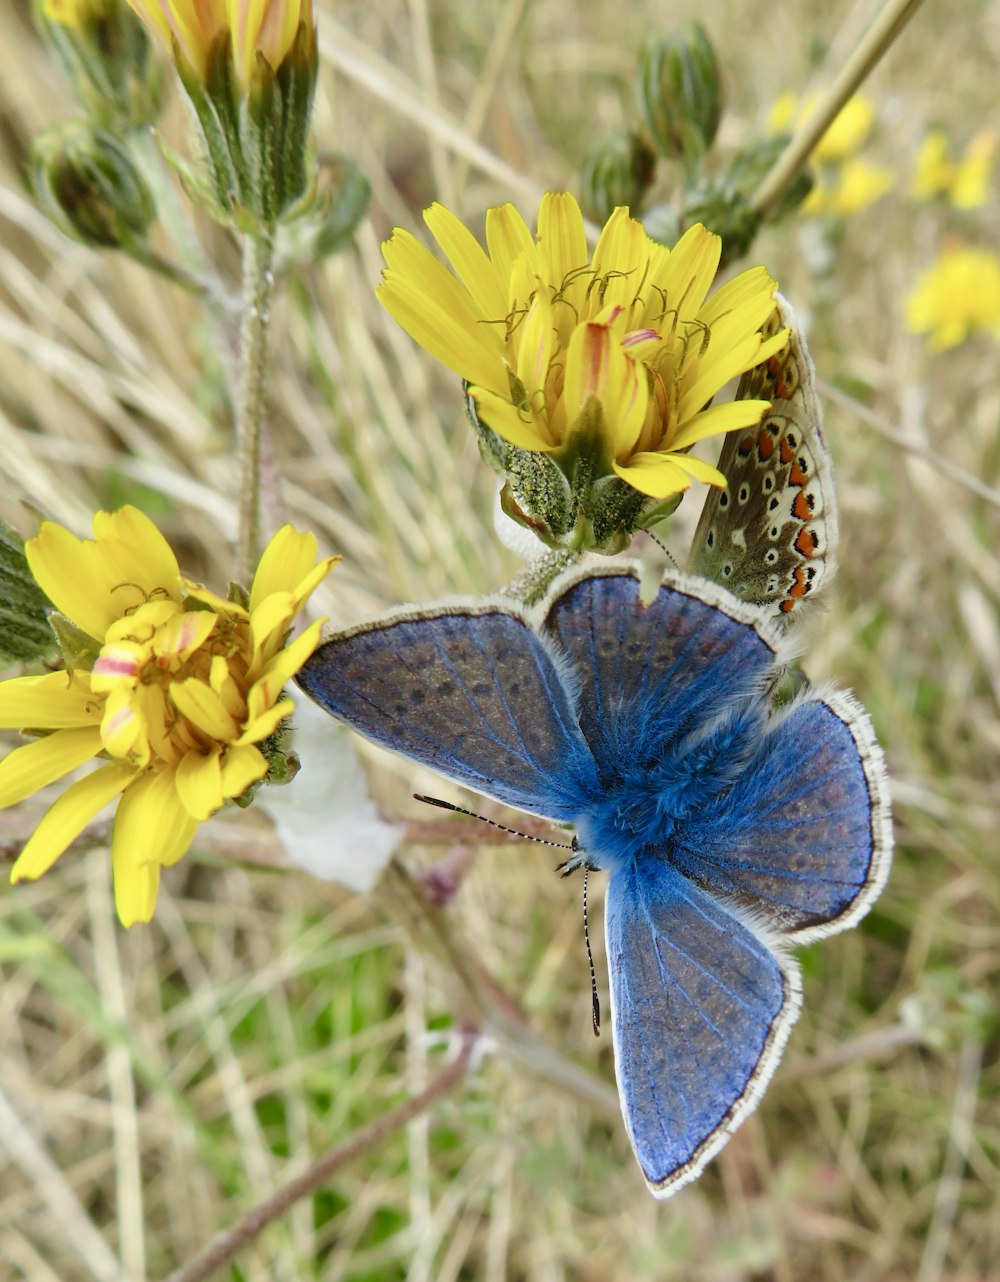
[471, 692]
[651, 673]
[771, 535]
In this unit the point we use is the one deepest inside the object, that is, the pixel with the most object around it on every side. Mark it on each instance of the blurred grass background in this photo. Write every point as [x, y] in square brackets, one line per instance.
[155, 1084]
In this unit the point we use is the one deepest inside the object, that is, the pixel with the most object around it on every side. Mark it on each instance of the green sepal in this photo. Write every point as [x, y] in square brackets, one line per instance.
[282, 763]
[24, 628]
[79, 649]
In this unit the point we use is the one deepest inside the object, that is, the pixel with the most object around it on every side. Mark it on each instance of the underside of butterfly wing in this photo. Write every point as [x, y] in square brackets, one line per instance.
[771, 536]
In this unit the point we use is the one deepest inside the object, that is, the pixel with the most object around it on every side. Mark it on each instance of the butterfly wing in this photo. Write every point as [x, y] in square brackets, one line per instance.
[651, 673]
[804, 835]
[471, 691]
[771, 536]
[701, 1006]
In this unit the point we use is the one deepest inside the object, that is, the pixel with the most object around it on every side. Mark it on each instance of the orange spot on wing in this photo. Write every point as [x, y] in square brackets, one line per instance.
[800, 586]
[796, 476]
[806, 544]
[745, 446]
[765, 446]
[785, 451]
[800, 507]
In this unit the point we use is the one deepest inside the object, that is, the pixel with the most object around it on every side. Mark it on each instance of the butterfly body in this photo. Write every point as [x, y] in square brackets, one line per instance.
[729, 829]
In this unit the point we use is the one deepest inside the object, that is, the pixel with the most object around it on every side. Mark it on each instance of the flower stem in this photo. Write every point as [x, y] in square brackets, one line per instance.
[795, 157]
[227, 1245]
[258, 286]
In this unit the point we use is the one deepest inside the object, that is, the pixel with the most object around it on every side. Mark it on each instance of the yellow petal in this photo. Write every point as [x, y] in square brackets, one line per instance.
[184, 633]
[123, 729]
[472, 266]
[508, 238]
[653, 474]
[68, 817]
[152, 825]
[700, 470]
[286, 561]
[37, 764]
[596, 366]
[621, 259]
[519, 427]
[243, 765]
[712, 374]
[265, 691]
[536, 346]
[439, 317]
[203, 708]
[562, 242]
[266, 723]
[720, 418]
[95, 583]
[199, 783]
[689, 270]
[50, 702]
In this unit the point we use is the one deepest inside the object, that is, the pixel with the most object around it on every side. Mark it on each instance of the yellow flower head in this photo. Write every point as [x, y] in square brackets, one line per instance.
[183, 686]
[614, 355]
[965, 182]
[72, 13]
[851, 187]
[267, 27]
[955, 297]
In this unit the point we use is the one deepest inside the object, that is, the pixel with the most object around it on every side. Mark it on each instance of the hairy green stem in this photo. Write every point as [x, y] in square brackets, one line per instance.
[795, 157]
[258, 287]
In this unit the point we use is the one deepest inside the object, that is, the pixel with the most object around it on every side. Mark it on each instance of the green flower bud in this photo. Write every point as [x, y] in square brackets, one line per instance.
[680, 93]
[86, 181]
[108, 57]
[616, 171]
[256, 134]
[726, 212]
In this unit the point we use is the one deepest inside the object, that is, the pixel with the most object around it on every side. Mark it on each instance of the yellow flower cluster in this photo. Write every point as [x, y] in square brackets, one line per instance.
[957, 296]
[845, 182]
[617, 354]
[964, 182]
[174, 688]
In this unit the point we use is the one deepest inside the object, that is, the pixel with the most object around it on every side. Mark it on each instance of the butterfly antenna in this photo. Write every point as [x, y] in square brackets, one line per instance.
[514, 832]
[596, 1006]
[663, 548]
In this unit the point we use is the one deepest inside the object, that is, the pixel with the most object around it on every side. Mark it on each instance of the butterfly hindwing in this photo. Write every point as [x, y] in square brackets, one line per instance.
[470, 691]
[771, 535]
[701, 1008]
[802, 838]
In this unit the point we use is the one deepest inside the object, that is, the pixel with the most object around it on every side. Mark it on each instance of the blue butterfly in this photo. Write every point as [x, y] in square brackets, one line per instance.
[731, 830]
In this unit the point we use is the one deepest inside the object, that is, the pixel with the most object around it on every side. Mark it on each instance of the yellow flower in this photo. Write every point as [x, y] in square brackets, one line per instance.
[615, 355]
[966, 182]
[71, 13]
[182, 688]
[846, 133]
[851, 187]
[267, 27]
[956, 296]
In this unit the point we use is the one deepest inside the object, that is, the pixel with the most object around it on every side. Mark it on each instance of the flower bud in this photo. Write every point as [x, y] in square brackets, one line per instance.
[680, 93]
[86, 181]
[616, 171]
[108, 57]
